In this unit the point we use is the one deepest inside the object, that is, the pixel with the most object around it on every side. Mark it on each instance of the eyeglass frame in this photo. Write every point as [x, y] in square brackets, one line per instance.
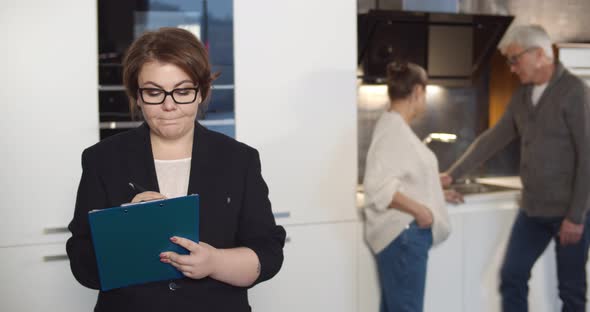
[166, 94]
[515, 59]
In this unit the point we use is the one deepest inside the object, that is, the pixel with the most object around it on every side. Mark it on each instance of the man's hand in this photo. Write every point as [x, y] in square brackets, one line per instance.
[445, 179]
[570, 233]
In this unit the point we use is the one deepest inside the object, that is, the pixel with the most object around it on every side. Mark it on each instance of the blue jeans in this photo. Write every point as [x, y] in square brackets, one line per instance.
[402, 270]
[528, 240]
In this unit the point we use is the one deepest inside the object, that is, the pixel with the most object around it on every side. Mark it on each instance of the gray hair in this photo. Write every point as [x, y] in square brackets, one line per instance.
[528, 36]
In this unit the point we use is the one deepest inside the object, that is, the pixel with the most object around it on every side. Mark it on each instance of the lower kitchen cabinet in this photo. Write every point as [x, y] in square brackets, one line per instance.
[484, 250]
[369, 292]
[463, 272]
[443, 282]
[328, 267]
[38, 278]
[485, 247]
[318, 274]
[444, 291]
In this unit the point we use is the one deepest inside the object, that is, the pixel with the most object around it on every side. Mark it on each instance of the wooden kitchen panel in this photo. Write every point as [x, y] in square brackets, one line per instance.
[502, 85]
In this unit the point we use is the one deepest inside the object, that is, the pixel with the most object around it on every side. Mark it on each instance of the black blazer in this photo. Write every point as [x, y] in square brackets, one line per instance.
[235, 211]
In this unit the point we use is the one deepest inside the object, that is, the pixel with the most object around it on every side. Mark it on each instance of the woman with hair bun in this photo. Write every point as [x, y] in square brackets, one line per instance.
[405, 205]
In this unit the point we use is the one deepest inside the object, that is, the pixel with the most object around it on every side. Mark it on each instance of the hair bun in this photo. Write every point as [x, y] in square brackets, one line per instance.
[402, 77]
[397, 68]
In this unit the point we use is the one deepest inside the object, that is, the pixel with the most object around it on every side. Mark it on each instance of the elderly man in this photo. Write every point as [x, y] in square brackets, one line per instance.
[550, 113]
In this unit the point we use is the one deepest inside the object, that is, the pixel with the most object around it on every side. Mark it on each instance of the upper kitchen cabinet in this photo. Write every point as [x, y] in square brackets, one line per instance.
[119, 23]
[576, 58]
[48, 87]
[451, 47]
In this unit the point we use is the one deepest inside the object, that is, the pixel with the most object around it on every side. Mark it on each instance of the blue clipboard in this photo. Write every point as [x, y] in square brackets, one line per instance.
[128, 240]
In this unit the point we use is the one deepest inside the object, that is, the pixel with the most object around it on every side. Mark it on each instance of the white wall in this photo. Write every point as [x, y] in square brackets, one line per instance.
[295, 69]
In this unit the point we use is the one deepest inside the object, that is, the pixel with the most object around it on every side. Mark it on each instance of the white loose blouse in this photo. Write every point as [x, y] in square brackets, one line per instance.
[398, 161]
[173, 176]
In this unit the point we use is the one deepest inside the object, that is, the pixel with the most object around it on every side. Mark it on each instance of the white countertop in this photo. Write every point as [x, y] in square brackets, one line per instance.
[508, 181]
[486, 202]
[480, 201]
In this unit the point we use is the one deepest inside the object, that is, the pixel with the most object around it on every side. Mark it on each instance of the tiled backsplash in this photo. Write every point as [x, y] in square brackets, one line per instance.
[449, 110]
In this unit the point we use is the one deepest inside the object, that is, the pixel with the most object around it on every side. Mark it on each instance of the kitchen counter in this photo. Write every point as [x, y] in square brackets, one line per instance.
[506, 181]
[506, 197]
[505, 200]
[463, 270]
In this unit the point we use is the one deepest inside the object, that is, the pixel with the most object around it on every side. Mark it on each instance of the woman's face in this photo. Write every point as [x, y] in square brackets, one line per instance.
[168, 120]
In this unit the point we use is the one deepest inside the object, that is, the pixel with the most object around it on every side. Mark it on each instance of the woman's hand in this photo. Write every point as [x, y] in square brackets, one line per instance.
[445, 179]
[147, 196]
[453, 197]
[199, 263]
[424, 218]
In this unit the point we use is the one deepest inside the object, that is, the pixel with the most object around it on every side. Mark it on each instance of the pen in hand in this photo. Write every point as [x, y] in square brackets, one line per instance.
[140, 197]
[136, 187]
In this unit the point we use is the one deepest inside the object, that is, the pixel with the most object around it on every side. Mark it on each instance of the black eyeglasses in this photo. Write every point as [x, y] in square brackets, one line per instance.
[513, 60]
[155, 96]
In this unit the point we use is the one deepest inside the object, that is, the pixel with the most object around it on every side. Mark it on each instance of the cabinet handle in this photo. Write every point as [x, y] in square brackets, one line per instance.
[222, 87]
[287, 239]
[282, 214]
[53, 258]
[111, 88]
[55, 230]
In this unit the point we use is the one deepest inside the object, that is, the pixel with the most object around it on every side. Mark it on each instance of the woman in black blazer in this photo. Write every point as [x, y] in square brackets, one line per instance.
[167, 76]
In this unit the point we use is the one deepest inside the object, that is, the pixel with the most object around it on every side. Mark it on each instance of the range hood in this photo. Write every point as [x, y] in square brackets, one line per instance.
[453, 48]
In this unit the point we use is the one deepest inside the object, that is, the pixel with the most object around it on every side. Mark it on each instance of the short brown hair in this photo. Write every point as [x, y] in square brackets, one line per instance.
[402, 77]
[168, 45]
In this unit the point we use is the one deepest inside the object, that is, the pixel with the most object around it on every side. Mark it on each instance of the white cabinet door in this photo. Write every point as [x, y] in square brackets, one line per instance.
[49, 113]
[38, 278]
[485, 245]
[296, 103]
[318, 274]
[575, 56]
[444, 288]
[369, 292]
[543, 291]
